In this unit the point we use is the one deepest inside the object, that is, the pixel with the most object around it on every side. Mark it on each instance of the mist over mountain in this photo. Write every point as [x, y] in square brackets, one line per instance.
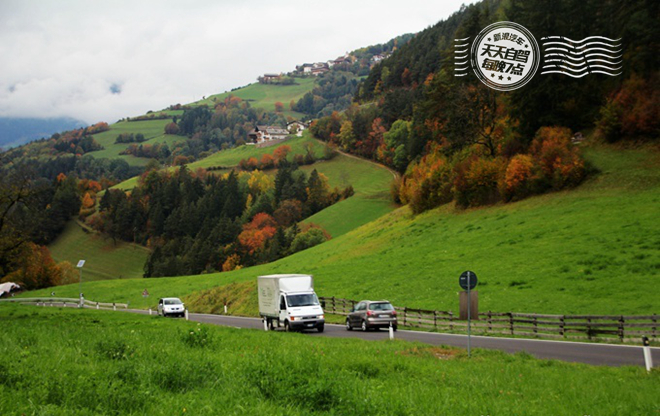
[17, 131]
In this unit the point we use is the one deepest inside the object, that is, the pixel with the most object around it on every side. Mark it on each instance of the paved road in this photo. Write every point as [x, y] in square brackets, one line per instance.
[589, 353]
[579, 352]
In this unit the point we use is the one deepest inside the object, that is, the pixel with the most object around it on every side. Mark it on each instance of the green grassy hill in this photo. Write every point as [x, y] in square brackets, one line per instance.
[258, 95]
[153, 131]
[595, 249]
[266, 95]
[103, 258]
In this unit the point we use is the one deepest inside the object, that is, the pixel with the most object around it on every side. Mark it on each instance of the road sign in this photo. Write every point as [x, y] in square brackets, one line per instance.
[463, 280]
[81, 263]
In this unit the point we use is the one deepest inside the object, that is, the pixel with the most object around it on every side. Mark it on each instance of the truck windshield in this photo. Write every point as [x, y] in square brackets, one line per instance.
[308, 299]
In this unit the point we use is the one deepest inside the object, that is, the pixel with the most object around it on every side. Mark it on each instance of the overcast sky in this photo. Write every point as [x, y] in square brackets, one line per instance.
[105, 60]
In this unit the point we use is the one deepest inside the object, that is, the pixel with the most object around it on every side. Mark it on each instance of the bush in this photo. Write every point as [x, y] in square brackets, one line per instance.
[307, 239]
[476, 181]
[428, 183]
[559, 162]
[516, 183]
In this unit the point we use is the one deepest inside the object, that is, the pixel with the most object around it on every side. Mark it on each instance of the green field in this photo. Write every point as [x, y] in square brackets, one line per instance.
[371, 200]
[153, 131]
[265, 95]
[592, 250]
[231, 157]
[103, 258]
[87, 362]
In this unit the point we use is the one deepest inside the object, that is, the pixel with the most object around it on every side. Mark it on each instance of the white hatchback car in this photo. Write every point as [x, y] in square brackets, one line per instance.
[171, 306]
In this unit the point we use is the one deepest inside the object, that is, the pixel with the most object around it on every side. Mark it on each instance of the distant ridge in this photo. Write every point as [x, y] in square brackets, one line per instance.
[18, 131]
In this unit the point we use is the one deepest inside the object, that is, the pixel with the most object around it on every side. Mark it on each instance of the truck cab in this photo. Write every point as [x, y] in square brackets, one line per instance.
[301, 310]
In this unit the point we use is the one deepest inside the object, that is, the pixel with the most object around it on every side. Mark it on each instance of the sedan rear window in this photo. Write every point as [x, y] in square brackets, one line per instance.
[381, 307]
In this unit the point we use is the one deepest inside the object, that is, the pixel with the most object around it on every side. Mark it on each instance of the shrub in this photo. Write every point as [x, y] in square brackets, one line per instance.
[307, 239]
[634, 110]
[516, 183]
[476, 181]
[428, 183]
[559, 162]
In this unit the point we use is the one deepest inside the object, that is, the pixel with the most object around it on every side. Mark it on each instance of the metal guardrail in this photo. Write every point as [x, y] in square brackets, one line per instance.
[53, 301]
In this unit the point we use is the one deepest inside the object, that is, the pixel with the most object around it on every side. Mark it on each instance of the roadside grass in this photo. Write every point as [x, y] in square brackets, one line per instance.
[103, 259]
[592, 250]
[88, 362]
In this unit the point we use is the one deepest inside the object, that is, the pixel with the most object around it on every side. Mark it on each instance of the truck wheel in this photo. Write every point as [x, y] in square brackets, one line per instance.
[348, 325]
[320, 327]
[364, 326]
[287, 328]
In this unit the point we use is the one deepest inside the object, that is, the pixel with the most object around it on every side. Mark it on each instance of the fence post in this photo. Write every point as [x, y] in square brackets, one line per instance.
[490, 322]
[405, 315]
[334, 311]
[536, 331]
[589, 328]
[451, 321]
[97, 305]
[562, 321]
[114, 306]
[621, 328]
[654, 328]
[435, 320]
[511, 322]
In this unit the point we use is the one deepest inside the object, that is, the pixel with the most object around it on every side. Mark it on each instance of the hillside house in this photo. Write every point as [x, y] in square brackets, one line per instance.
[264, 134]
[269, 78]
[296, 127]
[305, 68]
[381, 56]
[320, 68]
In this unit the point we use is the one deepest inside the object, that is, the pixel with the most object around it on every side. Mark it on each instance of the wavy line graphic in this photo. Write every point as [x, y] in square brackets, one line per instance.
[580, 76]
[578, 58]
[460, 57]
[564, 38]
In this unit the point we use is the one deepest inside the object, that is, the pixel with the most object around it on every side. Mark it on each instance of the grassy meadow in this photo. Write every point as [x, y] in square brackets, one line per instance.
[103, 258]
[87, 362]
[153, 131]
[266, 95]
[591, 250]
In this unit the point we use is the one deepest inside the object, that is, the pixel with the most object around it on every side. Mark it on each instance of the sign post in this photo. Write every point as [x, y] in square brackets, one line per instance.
[80, 265]
[468, 281]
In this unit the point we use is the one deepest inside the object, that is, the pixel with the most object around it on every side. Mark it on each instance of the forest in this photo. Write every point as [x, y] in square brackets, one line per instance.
[197, 222]
[455, 139]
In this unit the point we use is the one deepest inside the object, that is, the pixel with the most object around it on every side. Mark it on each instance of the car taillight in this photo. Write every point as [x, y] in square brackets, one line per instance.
[293, 318]
[369, 313]
[393, 313]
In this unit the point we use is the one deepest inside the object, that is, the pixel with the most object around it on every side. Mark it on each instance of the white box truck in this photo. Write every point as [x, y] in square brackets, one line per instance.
[289, 300]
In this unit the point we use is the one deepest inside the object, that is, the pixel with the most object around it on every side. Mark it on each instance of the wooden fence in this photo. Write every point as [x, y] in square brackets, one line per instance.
[588, 327]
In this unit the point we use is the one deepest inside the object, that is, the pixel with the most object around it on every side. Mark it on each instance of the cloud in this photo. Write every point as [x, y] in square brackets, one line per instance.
[101, 61]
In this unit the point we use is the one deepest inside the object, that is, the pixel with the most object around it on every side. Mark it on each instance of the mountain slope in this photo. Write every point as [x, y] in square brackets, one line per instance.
[592, 250]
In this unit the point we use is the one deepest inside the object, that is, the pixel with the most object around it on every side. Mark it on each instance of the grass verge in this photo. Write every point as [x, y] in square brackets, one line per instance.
[87, 362]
